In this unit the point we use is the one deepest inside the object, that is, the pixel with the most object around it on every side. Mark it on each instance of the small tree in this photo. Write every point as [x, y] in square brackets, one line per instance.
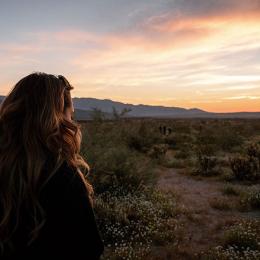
[97, 115]
[118, 115]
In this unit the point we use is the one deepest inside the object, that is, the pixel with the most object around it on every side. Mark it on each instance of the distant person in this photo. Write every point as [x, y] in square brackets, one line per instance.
[46, 203]
[164, 130]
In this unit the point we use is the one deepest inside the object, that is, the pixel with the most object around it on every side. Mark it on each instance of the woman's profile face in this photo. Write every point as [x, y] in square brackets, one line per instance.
[69, 111]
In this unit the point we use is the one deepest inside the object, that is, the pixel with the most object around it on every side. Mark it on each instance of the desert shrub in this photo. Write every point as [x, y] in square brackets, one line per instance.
[253, 151]
[175, 163]
[117, 166]
[177, 140]
[205, 165]
[142, 137]
[220, 135]
[220, 204]
[171, 140]
[247, 167]
[181, 154]
[227, 139]
[226, 174]
[184, 152]
[221, 253]
[223, 160]
[131, 223]
[158, 151]
[241, 241]
[208, 149]
[243, 235]
[254, 199]
[244, 167]
[97, 115]
[111, 161]
[137, 142]
[230, 190]
[206, 135]
[205, 161]
[250, 199]
[181, 126]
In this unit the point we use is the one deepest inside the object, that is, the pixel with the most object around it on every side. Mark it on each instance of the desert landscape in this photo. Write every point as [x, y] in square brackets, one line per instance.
[167, 96]
[176, 188]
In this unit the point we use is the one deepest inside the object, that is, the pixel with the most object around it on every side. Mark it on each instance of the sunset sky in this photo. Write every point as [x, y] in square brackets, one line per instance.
[184, 53]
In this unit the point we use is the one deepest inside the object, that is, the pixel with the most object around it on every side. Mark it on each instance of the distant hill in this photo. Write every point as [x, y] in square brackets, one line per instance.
[107, 105]
[84, 107]
[141, 110]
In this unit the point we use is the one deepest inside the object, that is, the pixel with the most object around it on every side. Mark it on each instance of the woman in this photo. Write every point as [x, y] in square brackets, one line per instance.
[46, 206]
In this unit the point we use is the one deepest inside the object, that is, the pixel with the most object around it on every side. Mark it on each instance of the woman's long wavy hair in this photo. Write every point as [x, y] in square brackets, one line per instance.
[36, 137]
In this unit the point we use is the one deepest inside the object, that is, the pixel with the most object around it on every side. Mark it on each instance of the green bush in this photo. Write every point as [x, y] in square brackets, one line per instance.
[112, 162]
[117, 166]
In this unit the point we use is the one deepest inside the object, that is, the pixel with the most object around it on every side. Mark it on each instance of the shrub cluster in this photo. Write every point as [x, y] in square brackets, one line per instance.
[247, 167]
[131, 223]
[241, 241]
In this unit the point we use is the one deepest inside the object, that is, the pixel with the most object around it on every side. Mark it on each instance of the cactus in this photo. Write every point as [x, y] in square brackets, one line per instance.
[158, 151]
[245, 167]
[206, 164]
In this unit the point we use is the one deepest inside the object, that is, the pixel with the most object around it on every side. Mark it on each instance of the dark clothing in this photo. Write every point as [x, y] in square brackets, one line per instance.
[70, 230]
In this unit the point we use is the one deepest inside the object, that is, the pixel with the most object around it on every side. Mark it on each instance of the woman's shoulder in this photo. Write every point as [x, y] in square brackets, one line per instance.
[66, 174]
[66, 181]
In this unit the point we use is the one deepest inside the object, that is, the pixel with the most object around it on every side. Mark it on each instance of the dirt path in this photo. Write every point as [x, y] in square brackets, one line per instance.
[203, 224]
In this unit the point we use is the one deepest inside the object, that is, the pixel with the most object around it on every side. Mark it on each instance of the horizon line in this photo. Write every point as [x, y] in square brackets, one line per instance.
[164, 106]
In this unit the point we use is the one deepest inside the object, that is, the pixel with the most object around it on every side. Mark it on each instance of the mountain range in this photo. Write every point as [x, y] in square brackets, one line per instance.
[84, 110]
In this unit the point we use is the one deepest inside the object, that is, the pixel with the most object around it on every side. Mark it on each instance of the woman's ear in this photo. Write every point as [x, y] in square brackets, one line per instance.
[73, 110]
[69, 113]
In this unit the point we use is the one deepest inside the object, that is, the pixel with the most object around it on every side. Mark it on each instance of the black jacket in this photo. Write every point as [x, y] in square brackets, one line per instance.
[70, 230]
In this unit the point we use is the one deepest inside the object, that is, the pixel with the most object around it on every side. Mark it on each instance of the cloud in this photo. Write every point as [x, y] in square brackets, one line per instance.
[201, 8]
[232, 88]
[242, 97]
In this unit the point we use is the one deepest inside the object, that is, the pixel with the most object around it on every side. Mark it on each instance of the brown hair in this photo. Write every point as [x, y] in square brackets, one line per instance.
[35, 134]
